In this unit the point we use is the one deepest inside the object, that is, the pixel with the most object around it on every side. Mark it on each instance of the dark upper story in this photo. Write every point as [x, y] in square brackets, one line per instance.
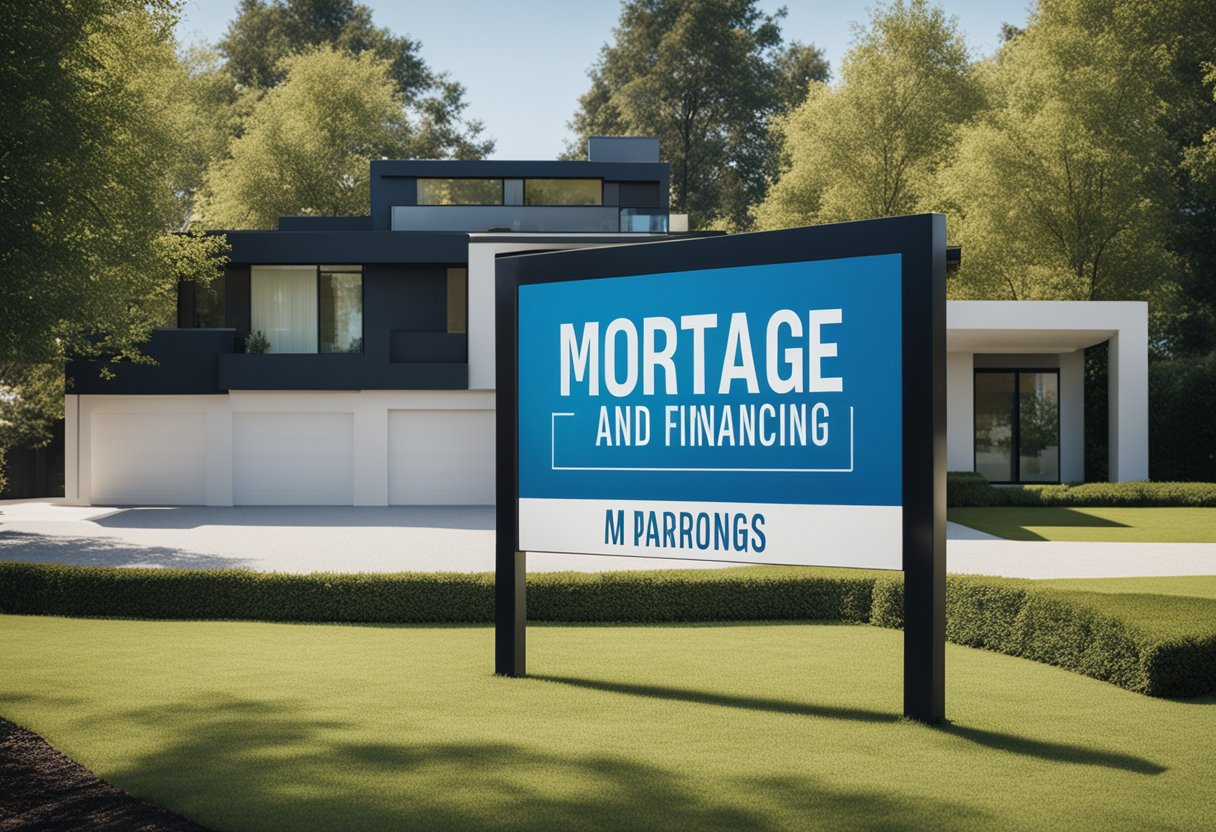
[381, 301]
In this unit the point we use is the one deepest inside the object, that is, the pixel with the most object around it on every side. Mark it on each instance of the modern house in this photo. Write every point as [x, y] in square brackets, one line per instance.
[350, 360]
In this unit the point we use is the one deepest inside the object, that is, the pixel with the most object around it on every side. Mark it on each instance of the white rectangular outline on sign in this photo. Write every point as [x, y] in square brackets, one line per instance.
[553, 466]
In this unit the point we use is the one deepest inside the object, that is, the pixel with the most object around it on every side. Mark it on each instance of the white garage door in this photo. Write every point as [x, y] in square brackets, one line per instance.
[441, 457]
[285, 459]
[149, 459]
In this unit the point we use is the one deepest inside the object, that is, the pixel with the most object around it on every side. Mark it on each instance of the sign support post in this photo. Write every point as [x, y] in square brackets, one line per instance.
[924, 488]
[510, 564]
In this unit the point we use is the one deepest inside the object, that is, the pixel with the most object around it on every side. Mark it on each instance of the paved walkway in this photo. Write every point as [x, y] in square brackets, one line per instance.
[457, 539]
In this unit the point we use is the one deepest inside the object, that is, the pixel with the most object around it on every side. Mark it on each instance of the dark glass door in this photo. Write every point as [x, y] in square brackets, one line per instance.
[1017, 425]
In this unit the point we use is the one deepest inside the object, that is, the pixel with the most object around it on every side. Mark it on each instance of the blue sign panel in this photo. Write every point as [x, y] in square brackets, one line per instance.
[748, 414]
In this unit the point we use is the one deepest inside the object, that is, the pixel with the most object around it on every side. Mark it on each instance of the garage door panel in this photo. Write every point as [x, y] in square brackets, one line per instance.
[293, 459]
[441, 457]
[433, 465]
[444, 491]
[148, 459]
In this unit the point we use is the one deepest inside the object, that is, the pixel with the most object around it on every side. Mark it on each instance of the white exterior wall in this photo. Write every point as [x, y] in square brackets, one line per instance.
[1129, 402]
[1064, 327]
[232, 473]
[960, 411]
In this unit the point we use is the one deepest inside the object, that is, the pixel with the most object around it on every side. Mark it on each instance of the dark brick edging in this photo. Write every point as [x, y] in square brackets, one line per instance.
[43, 791]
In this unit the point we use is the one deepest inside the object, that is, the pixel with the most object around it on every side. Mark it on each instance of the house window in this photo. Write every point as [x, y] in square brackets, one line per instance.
[201, 305]
[458, 300]
[209, 303]
[460, 192]
[340, 313]
[306, 309]
[1017, 425]
[563, 192]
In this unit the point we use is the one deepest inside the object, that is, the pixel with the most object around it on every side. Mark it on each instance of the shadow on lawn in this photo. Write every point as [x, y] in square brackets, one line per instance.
[1058, 752]
[777, 706]
[31, 547]
[1013, 523]
[238, 764]
[192, 517]
[1054, 751]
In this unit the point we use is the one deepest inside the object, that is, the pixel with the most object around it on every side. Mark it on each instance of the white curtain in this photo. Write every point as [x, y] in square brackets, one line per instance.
[283, 301]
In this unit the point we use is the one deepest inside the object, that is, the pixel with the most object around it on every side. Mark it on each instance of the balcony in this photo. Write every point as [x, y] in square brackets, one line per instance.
[187, 362]
[213, 361]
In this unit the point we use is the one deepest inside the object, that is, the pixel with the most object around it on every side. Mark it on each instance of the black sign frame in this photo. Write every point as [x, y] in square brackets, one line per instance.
[921, 243]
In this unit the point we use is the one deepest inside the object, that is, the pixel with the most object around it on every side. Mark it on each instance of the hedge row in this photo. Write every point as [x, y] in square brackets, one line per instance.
[1008, 616]
[746, 594]
[965, 489]
[1067, 630]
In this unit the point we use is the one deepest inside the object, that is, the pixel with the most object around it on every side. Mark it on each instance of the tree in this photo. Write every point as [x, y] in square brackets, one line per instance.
[1061, 190]
[705, 77]
[95, 143]
[1193, 322]
[870, 146]
[307, 144]
[266, 32]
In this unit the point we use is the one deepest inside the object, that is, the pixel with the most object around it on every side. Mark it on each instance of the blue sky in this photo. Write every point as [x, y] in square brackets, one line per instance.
[524, 63]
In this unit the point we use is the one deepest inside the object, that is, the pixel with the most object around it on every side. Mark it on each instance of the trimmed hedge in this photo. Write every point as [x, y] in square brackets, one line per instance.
[1150, 644]
[1078, 631]
[966, 489]
[745, 594]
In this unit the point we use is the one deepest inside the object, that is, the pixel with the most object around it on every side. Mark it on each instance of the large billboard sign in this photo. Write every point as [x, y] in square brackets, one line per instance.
[748, 414]
[772, 398]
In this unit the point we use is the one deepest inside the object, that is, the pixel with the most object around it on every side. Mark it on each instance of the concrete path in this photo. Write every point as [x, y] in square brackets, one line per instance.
[1060, 559]
[457, 539]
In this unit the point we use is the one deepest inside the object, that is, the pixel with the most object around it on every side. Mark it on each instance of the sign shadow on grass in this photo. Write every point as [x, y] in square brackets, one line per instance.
[1054, 751]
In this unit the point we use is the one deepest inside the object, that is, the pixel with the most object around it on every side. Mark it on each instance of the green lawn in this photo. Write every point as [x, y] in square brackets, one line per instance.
[292, 727]
[1191, 586]
[1140, 525]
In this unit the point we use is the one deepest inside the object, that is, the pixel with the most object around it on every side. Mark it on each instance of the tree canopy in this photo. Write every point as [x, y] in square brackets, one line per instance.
[706, 77]
[97, 140]
[871, 145]
[1061, 189]
[265, 33]
[1073, 164]
[307, 143]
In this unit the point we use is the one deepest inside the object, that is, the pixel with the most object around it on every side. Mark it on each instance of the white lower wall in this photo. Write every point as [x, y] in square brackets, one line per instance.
[960, 411]
[279, 448]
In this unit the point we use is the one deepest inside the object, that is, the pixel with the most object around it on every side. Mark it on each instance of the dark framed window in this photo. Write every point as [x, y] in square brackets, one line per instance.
[458, 299]
[1017, 425]
[460, 192]
[563, 192]
[307, 309]
[340, 309]
[202, 306]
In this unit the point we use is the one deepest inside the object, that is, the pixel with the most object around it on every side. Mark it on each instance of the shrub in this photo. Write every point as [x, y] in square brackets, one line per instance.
[675, 595]
[1094, 634]
[965, 489]
[257, 343]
